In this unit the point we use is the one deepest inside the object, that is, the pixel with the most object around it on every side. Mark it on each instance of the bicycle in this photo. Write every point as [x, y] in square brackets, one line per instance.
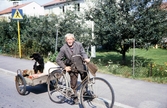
[93, 92]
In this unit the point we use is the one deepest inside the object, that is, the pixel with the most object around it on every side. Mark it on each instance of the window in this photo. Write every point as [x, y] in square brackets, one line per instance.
[77, 7]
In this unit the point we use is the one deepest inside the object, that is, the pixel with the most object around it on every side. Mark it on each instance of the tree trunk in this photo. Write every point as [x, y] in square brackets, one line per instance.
[123, 57]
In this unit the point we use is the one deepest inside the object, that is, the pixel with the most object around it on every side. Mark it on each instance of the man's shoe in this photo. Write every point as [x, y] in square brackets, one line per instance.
[86, 94]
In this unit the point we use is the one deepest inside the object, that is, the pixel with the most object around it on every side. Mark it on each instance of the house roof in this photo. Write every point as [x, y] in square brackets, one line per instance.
[54, 2]
[9, 10]
[164, 5]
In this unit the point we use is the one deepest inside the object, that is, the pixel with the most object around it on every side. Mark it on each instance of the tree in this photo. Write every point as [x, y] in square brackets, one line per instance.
[73, 22]
[39, 34]
[117, 23]
[8, 33]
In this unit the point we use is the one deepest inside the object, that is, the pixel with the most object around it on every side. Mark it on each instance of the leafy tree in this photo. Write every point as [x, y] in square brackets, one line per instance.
[8, 33]
[73, 22]
[117, 23]
[39, 34]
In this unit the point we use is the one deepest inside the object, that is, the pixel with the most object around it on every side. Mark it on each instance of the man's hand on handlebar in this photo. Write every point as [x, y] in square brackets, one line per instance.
[68, 68]
[87, 60]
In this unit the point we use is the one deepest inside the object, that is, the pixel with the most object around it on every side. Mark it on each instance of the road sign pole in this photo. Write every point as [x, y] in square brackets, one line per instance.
[18, 26]
[17, 14]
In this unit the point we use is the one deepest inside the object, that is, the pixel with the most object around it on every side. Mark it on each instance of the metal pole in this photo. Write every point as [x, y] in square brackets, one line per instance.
[56, 40]
[93, 30]
[93, 48]
[133, 57]
[18, 26]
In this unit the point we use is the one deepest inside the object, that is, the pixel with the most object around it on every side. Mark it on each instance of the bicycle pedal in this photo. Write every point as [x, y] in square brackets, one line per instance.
[74, 95]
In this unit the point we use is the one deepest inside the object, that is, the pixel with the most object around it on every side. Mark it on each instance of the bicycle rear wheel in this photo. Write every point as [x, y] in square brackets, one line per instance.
[97, 93]
[55, 82]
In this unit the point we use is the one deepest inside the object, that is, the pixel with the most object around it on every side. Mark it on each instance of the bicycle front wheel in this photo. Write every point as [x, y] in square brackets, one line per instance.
[56, 82]
[97, 93]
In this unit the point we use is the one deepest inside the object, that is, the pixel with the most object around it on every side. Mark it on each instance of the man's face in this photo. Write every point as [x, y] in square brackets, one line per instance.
[70, 40]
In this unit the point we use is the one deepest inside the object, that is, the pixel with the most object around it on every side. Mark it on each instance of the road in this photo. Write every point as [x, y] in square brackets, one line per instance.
[129, 93]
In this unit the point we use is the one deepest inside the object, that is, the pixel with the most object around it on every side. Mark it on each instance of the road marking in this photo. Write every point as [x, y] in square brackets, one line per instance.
[122, 105]
[7, 71]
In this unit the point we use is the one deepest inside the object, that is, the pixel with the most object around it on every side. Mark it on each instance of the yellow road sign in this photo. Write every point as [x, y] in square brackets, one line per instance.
[17, 14]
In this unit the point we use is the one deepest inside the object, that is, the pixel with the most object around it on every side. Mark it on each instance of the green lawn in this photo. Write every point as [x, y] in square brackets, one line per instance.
[158, 56]
[150, 65]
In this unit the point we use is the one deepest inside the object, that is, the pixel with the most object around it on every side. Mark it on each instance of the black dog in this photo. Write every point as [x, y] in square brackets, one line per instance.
[39, 62]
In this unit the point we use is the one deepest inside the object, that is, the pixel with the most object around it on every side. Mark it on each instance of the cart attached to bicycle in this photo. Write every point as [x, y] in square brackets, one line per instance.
[22, 81]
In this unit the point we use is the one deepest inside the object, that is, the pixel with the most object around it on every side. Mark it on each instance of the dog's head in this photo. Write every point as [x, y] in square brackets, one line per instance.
[36, 56]
[25, 72]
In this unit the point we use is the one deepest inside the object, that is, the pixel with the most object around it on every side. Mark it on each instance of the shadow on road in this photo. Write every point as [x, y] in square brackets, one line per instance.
[38, 89]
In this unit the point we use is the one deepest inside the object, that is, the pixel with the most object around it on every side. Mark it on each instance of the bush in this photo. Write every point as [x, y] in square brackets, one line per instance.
[158, 70]
[52, 57]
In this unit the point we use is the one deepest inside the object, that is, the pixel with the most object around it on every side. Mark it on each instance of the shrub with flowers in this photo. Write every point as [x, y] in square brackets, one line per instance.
[158, 70]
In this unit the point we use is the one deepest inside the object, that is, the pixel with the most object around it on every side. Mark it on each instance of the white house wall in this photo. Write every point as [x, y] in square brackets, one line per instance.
[6, 17]
[55, 9]
[33, 9]
[58, 9]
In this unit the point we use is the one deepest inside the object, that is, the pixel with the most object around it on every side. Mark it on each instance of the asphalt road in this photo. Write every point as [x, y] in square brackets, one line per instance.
[129, 93]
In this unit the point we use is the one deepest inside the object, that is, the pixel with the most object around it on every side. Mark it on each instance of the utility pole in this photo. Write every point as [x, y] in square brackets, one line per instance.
[133, 57]
[56, 37]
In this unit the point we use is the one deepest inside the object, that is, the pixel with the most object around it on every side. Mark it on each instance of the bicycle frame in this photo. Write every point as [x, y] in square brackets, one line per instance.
[67, 86]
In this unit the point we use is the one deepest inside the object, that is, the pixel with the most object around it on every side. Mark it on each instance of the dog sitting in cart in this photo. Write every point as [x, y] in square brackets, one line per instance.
[39, 68]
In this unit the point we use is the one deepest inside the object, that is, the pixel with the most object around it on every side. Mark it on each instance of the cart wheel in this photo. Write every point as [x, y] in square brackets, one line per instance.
[20, 84]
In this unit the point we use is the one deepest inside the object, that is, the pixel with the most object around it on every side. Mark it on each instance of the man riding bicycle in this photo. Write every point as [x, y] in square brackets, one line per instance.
[64, 59]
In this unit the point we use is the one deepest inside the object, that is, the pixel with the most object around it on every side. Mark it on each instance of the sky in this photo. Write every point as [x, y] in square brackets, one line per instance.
[5, 3]
[41, 2]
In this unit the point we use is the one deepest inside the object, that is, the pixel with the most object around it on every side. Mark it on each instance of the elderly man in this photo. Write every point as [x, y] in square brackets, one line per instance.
[64, 58]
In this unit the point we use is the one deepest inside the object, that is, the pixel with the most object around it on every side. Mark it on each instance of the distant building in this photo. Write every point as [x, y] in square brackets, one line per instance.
[29, 9]
[61, 6]
[54, 7]
[164, 5]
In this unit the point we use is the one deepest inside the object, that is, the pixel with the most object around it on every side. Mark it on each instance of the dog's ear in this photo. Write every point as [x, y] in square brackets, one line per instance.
[25, 71]
[35, 55]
